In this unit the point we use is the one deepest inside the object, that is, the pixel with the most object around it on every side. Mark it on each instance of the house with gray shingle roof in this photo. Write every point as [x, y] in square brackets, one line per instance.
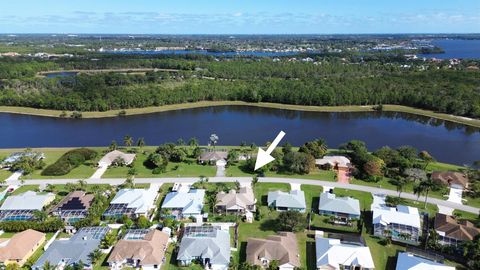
[208, 244]
[344, 207]
[74, 250]
[284, 201]
[184, 203]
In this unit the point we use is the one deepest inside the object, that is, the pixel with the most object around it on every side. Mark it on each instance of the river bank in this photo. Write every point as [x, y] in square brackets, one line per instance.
[137, 111]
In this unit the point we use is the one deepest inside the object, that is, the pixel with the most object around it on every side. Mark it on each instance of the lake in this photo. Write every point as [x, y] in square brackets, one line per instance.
[456, 48]
[446, 141]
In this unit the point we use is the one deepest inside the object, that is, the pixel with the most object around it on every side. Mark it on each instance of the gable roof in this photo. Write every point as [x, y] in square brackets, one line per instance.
[213, 243]
[448, 226]
[190, 202]
[76, 200]
[142, 200]
[20, 245]
[111, 156]
[340, 161]
[450, 177]
[293, 199]
[149, 251]
[409, 261]
[282, 247]
[29, 200]
[402, 214]
[333, 253]
[75, 249]
[345, 205]
[234, 200]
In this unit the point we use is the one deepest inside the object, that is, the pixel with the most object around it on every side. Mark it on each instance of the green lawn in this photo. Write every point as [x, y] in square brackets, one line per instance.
[25, 188]
[312, 196]
[439, 166]
[384, 256]
[4, 174]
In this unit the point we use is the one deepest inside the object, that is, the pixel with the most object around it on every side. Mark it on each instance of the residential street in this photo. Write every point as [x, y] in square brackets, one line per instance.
[117, 181]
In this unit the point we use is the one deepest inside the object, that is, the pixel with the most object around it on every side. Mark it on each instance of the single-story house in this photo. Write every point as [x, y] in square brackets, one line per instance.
[210, 245]
[114, 155]
[283, 201]
[20, 247]
[14, 157]
[333, 254]
[74, 206]
[401, 223]
[143, 249]
[453, 232]
[450, 178]
[341, 207]
[132, 202]
[22, 206]
[409, 261]
[335, 162]
[211, 157]
[282, 247]
[236, 202]
[184, 203]
[71, 251]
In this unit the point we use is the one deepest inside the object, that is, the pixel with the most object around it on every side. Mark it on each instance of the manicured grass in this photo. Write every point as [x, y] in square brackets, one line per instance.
[384, 257]
[4, 174]
[365, 198]
[439, 166]
[312, 196]
[321, 222]
[475, 218]
[25, 188]
[171, 263]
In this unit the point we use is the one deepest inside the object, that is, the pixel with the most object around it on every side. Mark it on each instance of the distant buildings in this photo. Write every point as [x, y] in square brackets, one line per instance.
[401, 223]
[184, 203]
[213, 157]
[132, 202]
[23, 206]
[143, 249]
[453, 232]
[236, 202]
[14, 157]
[74, 206]
[344, 208]
[283, 201]
[409, 261]
[77, 249]
[332, 254]
[20, 247]
[208, 244]
[282, 247]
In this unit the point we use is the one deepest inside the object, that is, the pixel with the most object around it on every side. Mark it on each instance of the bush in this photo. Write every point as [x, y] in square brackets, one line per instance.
[50, 225]
[69, 161]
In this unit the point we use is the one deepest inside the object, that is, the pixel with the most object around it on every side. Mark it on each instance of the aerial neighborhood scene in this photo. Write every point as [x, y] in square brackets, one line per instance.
[240, 135]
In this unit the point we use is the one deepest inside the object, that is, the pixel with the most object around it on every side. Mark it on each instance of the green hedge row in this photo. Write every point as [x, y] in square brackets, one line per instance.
[50, 225]
[69, 161]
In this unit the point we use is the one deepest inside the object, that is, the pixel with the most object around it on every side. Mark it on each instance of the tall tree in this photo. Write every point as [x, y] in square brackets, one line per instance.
[141, 142]
[128, 140]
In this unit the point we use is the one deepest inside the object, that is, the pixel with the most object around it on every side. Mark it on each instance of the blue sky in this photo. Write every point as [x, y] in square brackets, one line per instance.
[240, 16]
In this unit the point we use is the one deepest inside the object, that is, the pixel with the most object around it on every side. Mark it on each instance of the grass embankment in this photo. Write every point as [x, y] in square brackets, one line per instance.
[146, 110]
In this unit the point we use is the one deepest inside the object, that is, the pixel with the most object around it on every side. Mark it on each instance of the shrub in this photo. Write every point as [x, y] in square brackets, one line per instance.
[50, 225]
[69, 161]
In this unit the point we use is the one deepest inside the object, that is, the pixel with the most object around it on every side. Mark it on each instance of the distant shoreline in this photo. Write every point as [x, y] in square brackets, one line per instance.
[201, 104]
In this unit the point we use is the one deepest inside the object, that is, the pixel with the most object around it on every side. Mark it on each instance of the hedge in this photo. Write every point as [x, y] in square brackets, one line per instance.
[69, 161]
[50, 225]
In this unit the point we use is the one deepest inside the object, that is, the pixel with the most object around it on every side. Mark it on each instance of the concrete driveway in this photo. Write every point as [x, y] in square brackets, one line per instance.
[455, 195]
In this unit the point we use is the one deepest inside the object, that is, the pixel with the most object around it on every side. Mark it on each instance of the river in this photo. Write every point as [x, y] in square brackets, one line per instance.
[446, 141]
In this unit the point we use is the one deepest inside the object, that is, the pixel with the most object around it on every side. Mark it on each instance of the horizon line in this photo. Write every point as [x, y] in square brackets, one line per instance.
[242, 34]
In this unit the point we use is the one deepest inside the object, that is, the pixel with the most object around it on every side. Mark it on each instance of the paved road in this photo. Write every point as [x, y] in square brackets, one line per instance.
[117, 181]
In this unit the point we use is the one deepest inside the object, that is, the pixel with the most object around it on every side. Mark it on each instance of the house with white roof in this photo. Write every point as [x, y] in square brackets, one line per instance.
[285, 201]
[133, 203]
[184, 203]
[115, 156]
[22, 206]
[208, 244]
[345, 208]
[401, 223]
[334, 254]
[334, 162]
[409, 261]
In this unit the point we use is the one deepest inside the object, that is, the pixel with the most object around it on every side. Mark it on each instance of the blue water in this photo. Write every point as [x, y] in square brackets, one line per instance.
[446, 141]
[61, 74]
[456, 48]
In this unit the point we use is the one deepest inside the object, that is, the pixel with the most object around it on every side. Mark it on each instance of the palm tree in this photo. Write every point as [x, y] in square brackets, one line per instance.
[193, 142]
[128, 140]
[95, 255]
[141, 142]
[427, 185]
[82, 184]
[400, 183]
[213, 140]
[113, 145]
[48, 266]
[40, 215]
[418, 190]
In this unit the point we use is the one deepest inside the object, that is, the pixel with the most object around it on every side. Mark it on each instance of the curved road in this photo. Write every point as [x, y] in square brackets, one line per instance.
[117, 181]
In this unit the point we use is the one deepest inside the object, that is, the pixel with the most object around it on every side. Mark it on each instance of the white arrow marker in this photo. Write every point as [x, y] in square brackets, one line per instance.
[264, 157]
